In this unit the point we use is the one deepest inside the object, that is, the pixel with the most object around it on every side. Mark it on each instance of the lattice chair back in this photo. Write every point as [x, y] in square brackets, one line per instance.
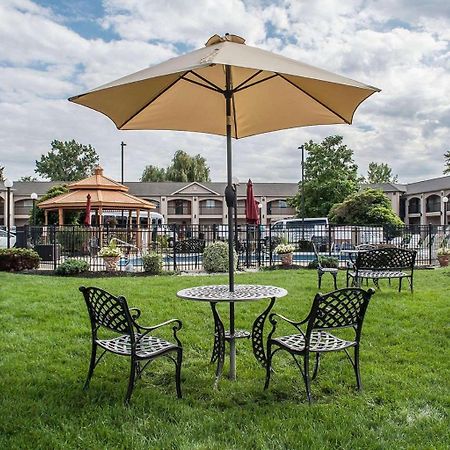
[342, 308]
[106, 310]
[386, 258]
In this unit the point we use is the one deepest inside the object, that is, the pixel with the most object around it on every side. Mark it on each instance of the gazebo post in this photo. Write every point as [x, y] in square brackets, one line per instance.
[45, 217]
[60, 216]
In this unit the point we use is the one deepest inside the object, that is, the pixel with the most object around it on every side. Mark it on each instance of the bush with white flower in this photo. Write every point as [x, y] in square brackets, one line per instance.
[443, 251]
[282, 249]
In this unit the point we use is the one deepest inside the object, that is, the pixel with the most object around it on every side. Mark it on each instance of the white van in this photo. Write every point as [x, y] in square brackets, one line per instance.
[300, 229]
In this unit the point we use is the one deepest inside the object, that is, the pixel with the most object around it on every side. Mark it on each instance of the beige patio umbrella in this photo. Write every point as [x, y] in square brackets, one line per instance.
[228, 88]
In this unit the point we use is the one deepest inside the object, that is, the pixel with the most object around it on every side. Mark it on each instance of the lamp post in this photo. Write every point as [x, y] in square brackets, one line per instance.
[34, 197]
[122, 146]
[260, 211]
[445, 201]
[8, 186]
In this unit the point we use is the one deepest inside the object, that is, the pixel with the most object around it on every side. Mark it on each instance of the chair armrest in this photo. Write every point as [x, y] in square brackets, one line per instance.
[135, 313]
[273, 321]
[146, 330]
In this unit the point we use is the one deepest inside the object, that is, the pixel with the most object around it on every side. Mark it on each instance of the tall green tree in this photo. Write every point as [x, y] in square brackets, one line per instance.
[367, 207]
[153, 173]
[380, 173]
[330, 176]
[67, 161]
[447, 163]
[183, 167]
[2, 176]
[27, 179]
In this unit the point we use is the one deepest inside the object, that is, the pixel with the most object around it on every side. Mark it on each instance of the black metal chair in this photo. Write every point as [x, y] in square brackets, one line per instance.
[344, 308]
[112, 313]
[321, 270]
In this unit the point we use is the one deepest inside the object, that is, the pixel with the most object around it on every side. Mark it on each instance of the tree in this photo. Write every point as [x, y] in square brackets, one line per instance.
[68, 161]
[330, 176]
[2, 176]
[184, 167]
[27, 179]
[380, 173]
[447, 162]
[153, 173]
[367, 207]
[71, 217]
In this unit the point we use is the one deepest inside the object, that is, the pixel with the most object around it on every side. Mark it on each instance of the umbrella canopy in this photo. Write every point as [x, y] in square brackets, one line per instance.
[251, 206]
[228, 88]
[87, 219]
[269, 92]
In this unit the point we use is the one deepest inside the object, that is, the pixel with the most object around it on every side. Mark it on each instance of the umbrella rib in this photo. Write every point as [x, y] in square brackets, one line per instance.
[234, 115]
[202, 85]
[255, 83]
[314, 98]
[248, 79]
[217, 88]
[152, 100]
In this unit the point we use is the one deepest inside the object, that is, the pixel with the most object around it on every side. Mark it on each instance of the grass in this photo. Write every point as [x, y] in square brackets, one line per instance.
[45, 339]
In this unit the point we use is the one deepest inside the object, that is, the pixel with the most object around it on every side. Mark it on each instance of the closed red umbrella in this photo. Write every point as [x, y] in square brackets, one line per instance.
[87, 219]
[251, 206]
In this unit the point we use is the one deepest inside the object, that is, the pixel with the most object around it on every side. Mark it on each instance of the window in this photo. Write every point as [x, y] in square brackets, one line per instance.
[210, 203]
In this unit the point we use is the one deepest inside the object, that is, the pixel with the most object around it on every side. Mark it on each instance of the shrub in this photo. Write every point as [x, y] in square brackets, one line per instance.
[215, 257]
[326, 261]
[152, 263]
[72, 267]
[16, 259]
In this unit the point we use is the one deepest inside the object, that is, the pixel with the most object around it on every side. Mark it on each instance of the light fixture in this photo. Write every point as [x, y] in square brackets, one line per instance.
[8, 183]
[34, 196]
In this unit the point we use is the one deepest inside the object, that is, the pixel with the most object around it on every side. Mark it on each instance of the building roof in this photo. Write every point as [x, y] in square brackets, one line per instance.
[387, 187]
[433, 184]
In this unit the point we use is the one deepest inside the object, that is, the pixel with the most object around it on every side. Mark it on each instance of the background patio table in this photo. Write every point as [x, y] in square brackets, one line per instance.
[242, 293]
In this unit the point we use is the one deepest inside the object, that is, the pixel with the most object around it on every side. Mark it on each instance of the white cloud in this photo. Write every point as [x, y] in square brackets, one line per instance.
[401, 47]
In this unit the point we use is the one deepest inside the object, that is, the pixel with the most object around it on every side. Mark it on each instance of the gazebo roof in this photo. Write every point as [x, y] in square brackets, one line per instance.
[105, 193]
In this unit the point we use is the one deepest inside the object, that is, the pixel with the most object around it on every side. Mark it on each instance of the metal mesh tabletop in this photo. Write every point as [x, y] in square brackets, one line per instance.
[221, 293]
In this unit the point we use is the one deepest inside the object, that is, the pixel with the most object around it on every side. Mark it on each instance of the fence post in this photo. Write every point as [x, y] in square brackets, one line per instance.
[259, 244]
[174, 247]
[270, 246]
[329, 239]
[54, 246]
[430, 243]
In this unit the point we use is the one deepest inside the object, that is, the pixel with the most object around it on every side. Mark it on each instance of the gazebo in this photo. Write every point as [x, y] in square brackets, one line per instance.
[105, 195]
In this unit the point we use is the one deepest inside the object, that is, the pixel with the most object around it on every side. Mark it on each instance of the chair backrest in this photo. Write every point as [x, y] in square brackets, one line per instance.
[107, 311]
[365, 247]
[389, 258]
[342, 308]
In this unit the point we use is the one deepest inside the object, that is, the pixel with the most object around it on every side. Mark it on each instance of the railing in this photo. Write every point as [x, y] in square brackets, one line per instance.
[216, 211]
[255, 244]
[280, 211]
[178, 211]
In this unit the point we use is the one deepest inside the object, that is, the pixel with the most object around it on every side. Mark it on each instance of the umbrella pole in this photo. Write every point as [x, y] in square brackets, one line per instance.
[230, 204]
[228, 94]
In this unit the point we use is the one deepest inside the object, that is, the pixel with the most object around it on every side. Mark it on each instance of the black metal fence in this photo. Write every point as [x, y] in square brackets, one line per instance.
[181, 247]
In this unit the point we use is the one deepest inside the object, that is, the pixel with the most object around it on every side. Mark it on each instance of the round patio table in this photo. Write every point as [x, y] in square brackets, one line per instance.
[242, 293]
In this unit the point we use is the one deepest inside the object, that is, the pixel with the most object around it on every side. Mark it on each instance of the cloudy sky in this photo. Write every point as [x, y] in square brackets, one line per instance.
[53, 49]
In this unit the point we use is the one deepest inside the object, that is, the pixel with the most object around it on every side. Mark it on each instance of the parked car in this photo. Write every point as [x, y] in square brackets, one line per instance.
[306, 229]
[4, 239]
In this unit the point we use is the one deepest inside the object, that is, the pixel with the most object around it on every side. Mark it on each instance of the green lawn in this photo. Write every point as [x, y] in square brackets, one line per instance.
[45, 345]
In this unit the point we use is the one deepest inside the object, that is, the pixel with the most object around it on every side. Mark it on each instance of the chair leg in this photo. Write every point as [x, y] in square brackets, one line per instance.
[356, 367]
[91, 365]
[178, 372]
[316, 366]
[335, 280]
[319, 274]
[400, 284]
[131, 381]
[268, 365]
[306, 376]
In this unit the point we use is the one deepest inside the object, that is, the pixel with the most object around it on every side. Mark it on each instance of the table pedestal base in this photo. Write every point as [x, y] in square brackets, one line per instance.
[221, 337]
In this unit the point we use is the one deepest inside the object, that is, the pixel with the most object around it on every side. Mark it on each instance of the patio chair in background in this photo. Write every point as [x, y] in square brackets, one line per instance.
[343, 308]
[322, 270]
[110, 313]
